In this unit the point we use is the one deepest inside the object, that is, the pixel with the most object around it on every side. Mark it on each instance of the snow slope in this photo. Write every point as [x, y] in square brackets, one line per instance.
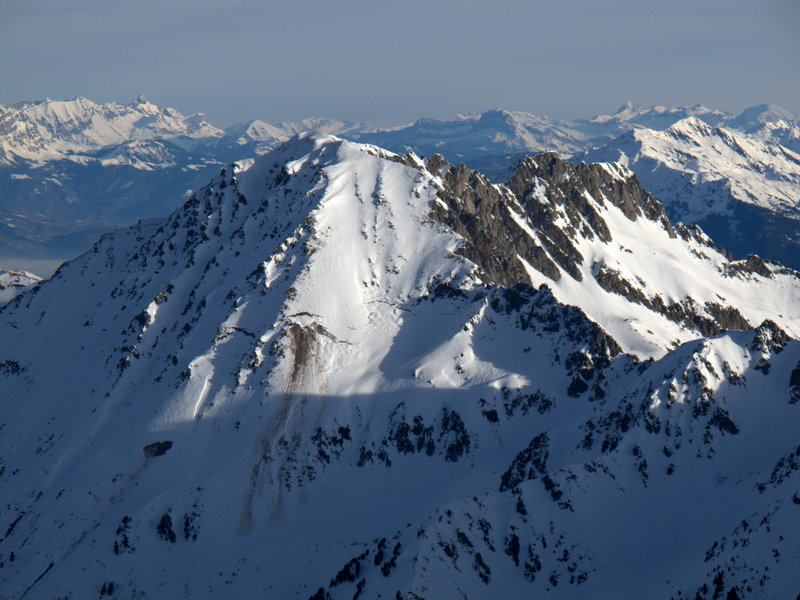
[301, 385]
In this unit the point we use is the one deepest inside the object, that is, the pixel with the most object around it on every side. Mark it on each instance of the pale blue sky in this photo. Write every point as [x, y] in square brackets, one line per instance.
[387, 63]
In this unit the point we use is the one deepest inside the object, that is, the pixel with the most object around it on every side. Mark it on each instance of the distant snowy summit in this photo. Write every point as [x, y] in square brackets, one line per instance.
[754, 170]
[744, 188]
[45, 130]
[34, 133]
[13, 283]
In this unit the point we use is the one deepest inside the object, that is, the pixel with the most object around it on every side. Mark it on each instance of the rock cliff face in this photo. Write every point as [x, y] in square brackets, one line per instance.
[335, 374]
[560, 224]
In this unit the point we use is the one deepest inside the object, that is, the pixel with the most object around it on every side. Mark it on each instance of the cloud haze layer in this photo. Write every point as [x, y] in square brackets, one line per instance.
[389, 63]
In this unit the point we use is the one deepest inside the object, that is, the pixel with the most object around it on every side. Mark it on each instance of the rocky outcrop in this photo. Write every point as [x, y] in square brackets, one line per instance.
[542, 190]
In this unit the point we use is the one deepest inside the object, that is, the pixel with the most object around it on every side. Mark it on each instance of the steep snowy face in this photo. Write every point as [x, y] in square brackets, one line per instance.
[306, 382]
[37, 132]
[337, 234]
[600, 242]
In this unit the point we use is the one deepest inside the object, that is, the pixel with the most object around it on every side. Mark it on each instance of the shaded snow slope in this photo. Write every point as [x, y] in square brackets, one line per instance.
[306, 382]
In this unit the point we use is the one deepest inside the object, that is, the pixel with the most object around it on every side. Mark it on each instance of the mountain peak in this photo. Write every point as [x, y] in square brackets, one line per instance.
[627, 107]
[140, 100]
[691, 125]
[755, 117]
[497, 117]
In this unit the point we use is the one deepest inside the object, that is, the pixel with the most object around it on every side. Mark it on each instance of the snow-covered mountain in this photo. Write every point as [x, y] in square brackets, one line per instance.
[13, 283]
[742, 188]
[630, 116]
[38, 132]
[600, 242]
[331, 374]
[141, 134]
[770, 123]
[755, 117]
[71, 170]
[477, 136]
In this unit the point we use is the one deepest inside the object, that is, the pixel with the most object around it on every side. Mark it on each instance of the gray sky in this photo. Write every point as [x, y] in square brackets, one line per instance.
[387, 63]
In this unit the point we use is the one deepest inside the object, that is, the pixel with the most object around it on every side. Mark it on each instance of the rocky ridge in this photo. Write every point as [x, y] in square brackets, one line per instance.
[568, 226]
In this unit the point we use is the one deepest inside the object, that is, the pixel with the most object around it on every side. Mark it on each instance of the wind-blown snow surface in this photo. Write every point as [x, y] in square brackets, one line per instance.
[295, 386]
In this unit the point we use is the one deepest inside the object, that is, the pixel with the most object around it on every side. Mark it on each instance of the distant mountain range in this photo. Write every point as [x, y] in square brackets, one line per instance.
[70, 170]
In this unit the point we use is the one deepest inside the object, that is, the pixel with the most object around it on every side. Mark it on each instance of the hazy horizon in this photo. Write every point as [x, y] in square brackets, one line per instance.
[387, 65]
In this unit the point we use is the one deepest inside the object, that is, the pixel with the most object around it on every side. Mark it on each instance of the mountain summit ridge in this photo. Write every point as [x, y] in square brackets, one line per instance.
[68, 178]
